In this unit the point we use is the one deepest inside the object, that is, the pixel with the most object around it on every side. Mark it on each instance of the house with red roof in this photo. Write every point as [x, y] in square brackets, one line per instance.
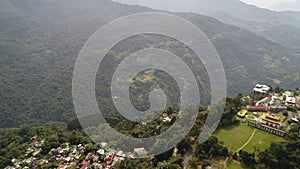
[257, 108]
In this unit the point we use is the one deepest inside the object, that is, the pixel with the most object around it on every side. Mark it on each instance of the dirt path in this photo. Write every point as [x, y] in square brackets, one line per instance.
[243, 146]
[186, 160]
[188, 156]
[248, 141]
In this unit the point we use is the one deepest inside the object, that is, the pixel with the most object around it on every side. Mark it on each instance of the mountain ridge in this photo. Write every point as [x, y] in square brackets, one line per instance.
[273, 25]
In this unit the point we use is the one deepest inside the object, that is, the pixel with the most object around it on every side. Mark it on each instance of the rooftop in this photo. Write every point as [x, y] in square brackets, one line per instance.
[276, 119]
[261, 88]
[257, 107]
[242, 113]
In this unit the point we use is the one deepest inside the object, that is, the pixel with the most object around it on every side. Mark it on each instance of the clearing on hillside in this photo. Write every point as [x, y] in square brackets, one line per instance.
[236, 136]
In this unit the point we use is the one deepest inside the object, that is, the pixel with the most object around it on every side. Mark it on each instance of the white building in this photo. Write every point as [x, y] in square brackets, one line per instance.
[262, 89]
[290, 100]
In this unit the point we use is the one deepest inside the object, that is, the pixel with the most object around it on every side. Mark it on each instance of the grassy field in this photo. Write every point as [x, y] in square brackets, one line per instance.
[232, 164]
[218, 162]
[236, 136]
[262, 140]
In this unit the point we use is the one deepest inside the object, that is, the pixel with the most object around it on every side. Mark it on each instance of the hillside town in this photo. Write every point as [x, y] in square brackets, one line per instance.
[78, 156]
[275, 113]
[68, 157]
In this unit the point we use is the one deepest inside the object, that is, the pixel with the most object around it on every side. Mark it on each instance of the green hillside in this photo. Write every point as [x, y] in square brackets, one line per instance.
[40, 41]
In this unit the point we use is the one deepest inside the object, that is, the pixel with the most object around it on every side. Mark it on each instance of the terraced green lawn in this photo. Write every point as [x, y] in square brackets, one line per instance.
[262, 140]
[232, 164]
[234, 136]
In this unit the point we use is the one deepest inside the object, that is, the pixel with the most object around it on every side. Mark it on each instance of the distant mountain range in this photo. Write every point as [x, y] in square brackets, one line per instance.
[292, 5]
[40, 42]
[234, 8]
[281, 27]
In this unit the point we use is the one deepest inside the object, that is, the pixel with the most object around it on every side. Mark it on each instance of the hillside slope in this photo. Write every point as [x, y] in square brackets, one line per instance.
[281, 27]
[40, 41]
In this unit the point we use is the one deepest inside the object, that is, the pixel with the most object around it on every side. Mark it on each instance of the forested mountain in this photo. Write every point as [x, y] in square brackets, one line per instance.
[40, 42]
[235, 8]
[281, 27]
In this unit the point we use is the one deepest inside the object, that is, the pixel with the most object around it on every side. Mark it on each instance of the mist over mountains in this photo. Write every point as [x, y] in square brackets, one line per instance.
[293, 5]
[281, 27]
[234, 8]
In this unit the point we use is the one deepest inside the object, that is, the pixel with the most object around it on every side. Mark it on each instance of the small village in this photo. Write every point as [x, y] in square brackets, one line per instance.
[67, 157]
[70, 157]
[79, 156]
[276, 113]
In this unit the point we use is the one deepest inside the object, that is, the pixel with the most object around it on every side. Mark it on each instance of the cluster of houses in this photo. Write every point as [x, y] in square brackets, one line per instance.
[76, 156]
[271, 108]
[71, 157]
[288, 97]
[272, 123]
[32, 151]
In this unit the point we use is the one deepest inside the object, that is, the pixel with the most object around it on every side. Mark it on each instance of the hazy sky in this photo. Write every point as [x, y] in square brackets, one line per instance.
[265, 3]
[276, 4]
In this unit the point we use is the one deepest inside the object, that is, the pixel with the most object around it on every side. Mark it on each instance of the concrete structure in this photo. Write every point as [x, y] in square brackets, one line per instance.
[261, 89]
[290, 100]
[270, 123]
[277, 109]
[267, 128]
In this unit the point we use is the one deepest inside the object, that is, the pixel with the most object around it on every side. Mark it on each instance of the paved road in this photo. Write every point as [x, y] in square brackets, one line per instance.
[263, 100]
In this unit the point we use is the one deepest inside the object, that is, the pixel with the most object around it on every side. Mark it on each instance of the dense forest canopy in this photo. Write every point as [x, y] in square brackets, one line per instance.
[40, 41]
